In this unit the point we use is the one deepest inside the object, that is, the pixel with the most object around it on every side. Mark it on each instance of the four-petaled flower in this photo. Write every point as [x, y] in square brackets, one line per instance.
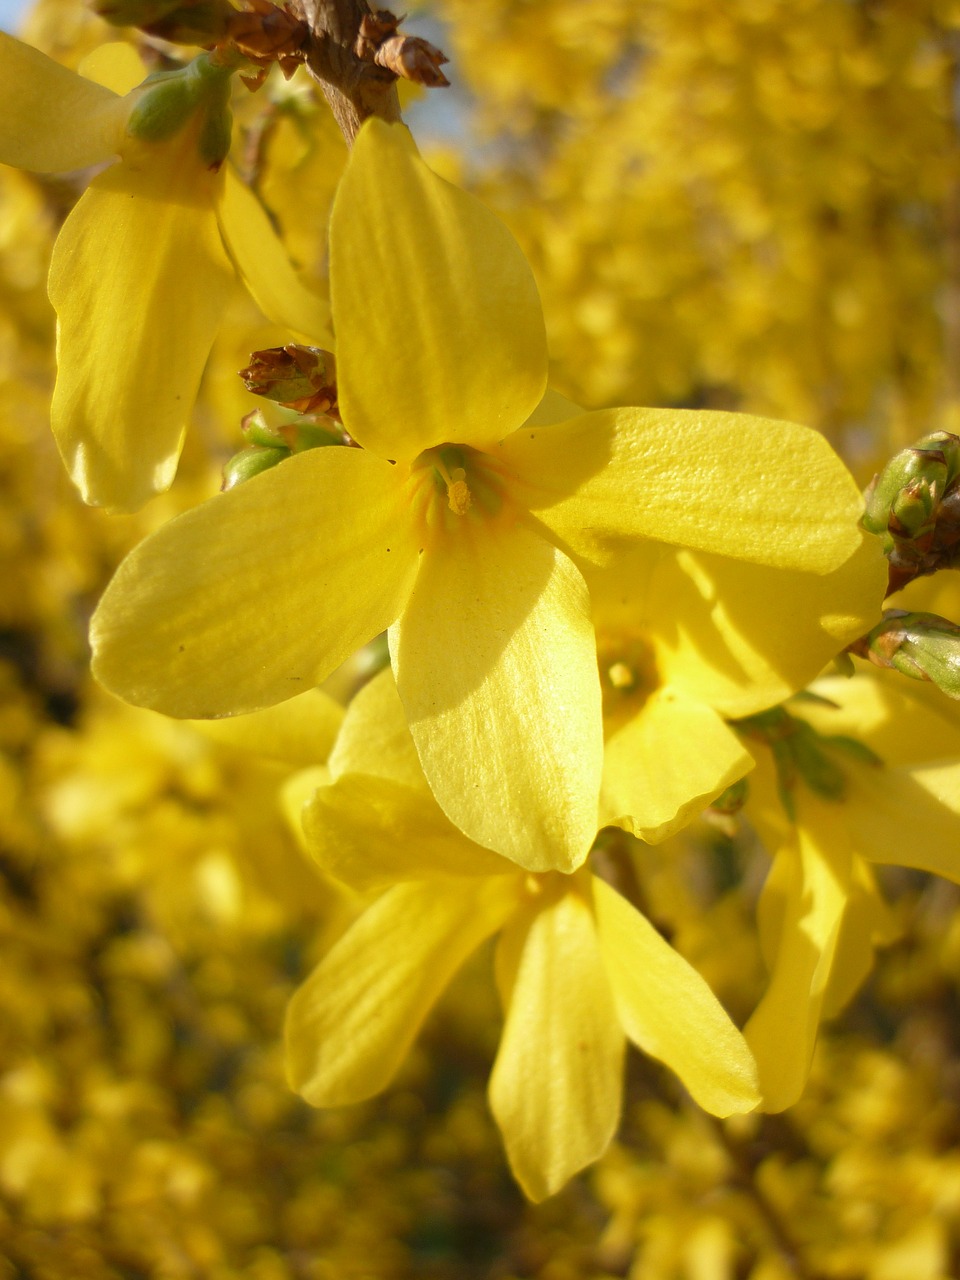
[579, 969]
[463, 523]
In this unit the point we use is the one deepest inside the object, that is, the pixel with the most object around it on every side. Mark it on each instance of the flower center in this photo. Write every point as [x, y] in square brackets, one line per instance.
[454, 482]
[628, 675]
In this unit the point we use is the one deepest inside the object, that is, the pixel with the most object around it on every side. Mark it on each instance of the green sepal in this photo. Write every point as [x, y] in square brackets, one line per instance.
[170, 99]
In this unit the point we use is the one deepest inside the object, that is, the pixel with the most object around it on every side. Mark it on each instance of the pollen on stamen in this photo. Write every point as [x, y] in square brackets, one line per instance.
[459, 497]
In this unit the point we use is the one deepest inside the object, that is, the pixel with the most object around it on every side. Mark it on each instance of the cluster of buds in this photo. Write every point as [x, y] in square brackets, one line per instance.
[298, 378]
[914, 505]
[920, 645]
[801, 753]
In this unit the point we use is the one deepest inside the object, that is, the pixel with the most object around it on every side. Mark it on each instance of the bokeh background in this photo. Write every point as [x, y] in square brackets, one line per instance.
[753, 205]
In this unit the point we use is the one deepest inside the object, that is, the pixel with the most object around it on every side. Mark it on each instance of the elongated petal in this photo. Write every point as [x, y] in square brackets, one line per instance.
[668, 1010]
[259, 593]
[496, 666]
[868, 923]
[375, 739]
[440, 335]
[805, 896]
[265, 268]
[350, 1025]
[751, 488]
[300, 732]
[909, 817]
[742, 637]
[372, 832]
[51, 119]
[138, 279]
[556, 1086]
[666, 764]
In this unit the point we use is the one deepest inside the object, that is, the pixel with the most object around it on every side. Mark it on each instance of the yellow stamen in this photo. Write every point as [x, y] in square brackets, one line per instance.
[459, 497]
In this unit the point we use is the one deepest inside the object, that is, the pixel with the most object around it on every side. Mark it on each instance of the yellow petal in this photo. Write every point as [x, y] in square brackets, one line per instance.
[906, 722]
[908, 817]
[752, 488]
[265, 268]
[117, 66]
[51, 119]
[666, 764]
[350, 1025]
[375, 739]
[299, 732]
[372, 832]
[440, 335]
[259, 593]
[496, 665]
[138, 280]
[556, 1086]
[806, 896]
[868, 923]
[669, 1012]
[742, 637]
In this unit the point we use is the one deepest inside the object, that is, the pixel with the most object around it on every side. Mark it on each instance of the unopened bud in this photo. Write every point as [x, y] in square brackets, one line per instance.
[922, 646]
[908, 488]
[249, 463]
[292, 437]
[302, 378]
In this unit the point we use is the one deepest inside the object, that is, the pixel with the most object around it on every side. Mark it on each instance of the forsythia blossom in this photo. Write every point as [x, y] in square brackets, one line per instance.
[579, 969]
[463, 523]
[141, 269]
[821, 913]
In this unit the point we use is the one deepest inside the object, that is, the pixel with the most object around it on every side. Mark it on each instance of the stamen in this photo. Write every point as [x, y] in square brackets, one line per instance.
[458, 493]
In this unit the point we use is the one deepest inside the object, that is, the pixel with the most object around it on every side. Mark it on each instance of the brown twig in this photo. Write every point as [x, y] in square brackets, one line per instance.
[356, 56]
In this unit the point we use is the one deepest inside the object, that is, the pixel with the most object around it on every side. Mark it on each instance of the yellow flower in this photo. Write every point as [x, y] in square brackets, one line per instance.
[579, 970]
[821, 913]
[460, 524]
[687, 638]
[142, 267]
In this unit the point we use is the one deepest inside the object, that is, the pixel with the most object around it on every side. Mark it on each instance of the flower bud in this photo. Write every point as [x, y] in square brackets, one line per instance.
[303, 378]
[249, 463]
[919, 645]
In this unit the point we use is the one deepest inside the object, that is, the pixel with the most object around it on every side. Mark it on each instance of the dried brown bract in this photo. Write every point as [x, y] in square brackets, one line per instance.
[409, 57]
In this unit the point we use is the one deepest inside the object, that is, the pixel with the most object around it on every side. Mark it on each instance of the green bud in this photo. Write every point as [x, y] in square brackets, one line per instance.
[249, 463]
[919, 645]
[930, 650]
[259, 431]
[308, 435]
[914, 509]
